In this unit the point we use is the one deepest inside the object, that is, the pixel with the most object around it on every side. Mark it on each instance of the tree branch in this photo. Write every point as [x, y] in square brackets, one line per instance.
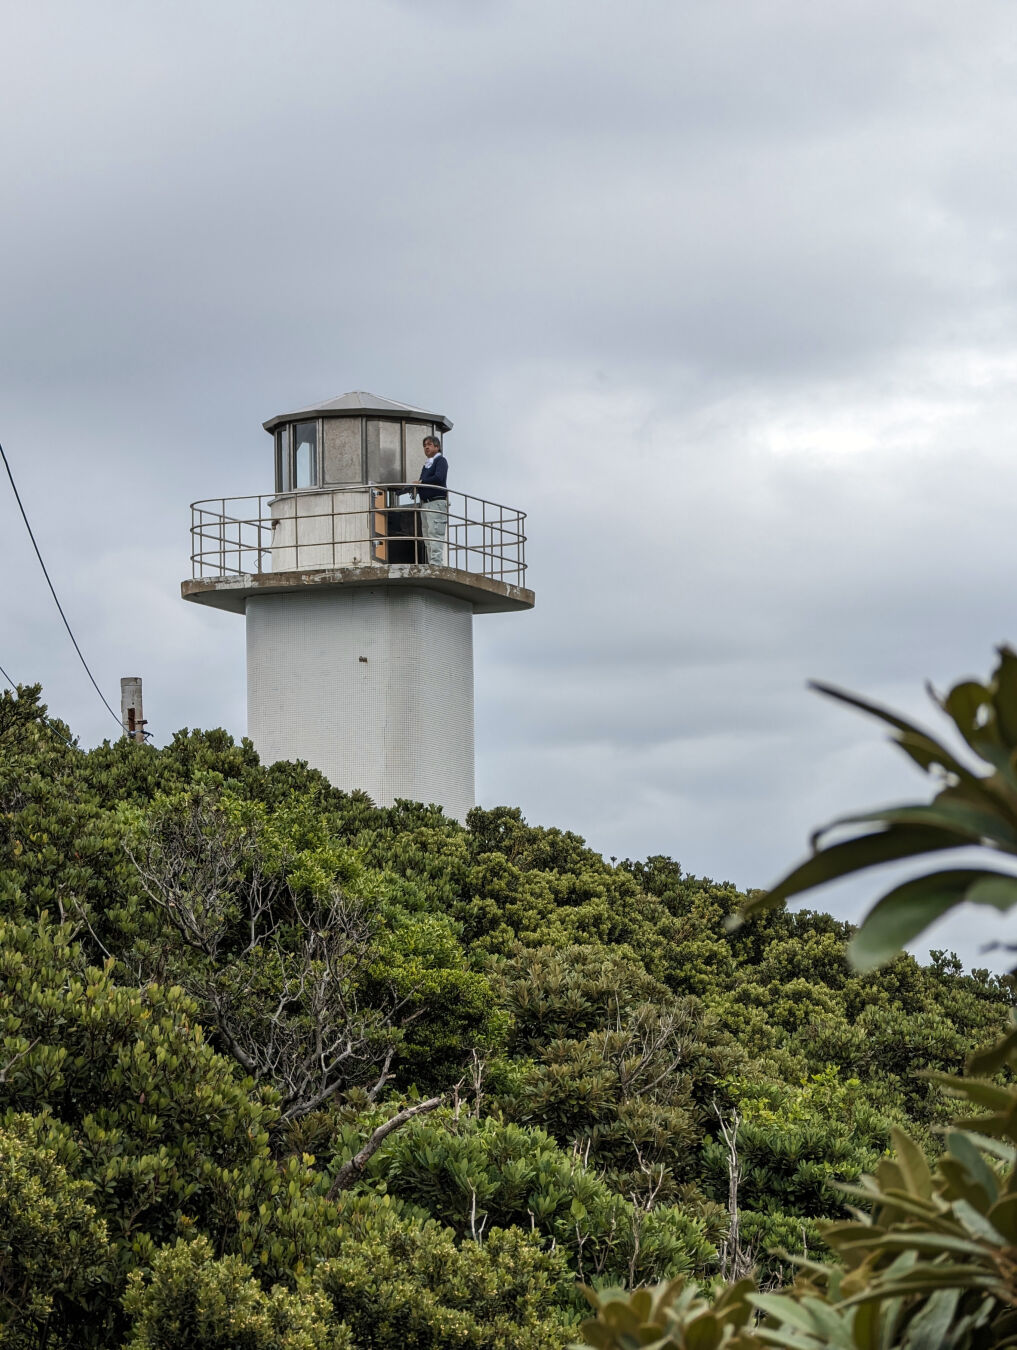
[352, 1170]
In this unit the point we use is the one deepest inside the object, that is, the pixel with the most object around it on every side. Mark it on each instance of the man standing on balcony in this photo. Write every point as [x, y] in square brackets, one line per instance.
[433, 502]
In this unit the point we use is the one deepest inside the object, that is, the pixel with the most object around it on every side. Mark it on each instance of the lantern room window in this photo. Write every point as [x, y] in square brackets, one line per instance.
[343, 458]
[384, 451]
[305, 454]
[283, 477]
[415, 433]
[336, 451]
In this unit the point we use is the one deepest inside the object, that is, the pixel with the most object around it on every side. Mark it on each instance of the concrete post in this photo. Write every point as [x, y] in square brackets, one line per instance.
[131, 712]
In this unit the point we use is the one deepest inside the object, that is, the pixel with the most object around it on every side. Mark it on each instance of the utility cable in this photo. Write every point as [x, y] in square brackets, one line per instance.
[52, 590]
[46, 721]
[146, 735]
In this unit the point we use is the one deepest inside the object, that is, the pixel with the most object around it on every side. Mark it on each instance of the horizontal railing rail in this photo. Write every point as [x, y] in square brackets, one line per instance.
[355, 525]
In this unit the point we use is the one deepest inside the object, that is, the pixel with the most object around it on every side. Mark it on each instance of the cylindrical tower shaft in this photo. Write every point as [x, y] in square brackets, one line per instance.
[371, 685]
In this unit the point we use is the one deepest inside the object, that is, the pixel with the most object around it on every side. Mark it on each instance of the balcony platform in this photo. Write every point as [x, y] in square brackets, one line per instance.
[486, 594]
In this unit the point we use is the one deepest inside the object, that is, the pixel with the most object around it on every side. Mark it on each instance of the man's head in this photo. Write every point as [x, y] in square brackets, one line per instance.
[432, 446]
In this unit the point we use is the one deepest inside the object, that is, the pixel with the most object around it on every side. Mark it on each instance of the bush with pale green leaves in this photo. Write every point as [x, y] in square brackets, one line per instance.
[55, 1255]
[397, 1284]
[190, 1298]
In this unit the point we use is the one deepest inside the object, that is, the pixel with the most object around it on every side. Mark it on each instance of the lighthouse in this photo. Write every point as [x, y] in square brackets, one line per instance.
[358, 605]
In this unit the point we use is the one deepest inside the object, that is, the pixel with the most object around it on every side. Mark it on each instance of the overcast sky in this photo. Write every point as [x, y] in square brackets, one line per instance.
[722, 294]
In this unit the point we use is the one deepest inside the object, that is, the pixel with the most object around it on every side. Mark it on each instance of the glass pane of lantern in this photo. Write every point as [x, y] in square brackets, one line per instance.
[305, 455]
[282, 460]
[342, 450]
[415, 433]
[384, 452]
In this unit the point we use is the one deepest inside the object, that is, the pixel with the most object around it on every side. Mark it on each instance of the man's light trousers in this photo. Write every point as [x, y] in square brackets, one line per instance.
[434, 526]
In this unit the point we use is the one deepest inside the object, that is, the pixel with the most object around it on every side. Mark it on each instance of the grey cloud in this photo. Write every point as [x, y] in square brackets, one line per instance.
[537, 154]
[724, 297]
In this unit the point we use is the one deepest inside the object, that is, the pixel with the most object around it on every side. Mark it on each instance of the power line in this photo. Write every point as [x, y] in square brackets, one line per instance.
[52, 590]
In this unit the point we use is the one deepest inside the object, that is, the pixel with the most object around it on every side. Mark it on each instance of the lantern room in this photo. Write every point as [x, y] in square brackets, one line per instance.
[358, 438]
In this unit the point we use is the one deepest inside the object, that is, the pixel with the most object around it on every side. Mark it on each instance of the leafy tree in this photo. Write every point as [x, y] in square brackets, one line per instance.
[482, 1174]
[310, 980]
[183, 931]
[930, 1264]
[273, 940]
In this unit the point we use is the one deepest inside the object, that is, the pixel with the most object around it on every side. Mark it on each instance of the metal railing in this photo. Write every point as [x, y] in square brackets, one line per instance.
[374, 524]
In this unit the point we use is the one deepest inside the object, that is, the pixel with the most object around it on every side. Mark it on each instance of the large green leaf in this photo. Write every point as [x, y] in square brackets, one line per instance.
[908, 909]
[781, 1309]
[922, 747]
[929, 1329]
[991, 1096]
[854, 855]
[996, 1148]
[913, 1240]
[876, 710]
[904, 911]
[949, 811]
[1003, 1217]
[1005, 700]
[980, 716]
[926, 1279]
[995, 889]
[977, 1173]
[969, 705]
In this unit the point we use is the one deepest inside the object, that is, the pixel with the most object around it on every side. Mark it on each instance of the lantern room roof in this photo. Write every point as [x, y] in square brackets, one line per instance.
[357, 403]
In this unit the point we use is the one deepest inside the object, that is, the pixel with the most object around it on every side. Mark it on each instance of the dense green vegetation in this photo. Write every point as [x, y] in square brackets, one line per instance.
[928, 1261]
[282, 1069]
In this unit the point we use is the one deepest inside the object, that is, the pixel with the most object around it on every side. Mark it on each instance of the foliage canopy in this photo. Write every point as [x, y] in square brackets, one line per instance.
[279, 1068]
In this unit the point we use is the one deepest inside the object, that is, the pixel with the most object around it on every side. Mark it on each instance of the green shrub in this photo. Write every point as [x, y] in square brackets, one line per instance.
[403, 1285]
[54, 1253]
[480, 1175]
[190, 1299]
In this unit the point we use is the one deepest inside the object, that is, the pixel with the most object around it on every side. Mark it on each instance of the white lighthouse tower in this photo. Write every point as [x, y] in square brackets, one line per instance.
[359, 636]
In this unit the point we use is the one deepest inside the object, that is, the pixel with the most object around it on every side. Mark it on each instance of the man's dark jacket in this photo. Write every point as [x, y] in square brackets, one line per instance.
[433, 477]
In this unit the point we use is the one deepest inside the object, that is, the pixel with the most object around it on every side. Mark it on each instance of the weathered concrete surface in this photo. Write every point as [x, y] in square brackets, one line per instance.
[484, 594]
[373, 686]
[321, 529]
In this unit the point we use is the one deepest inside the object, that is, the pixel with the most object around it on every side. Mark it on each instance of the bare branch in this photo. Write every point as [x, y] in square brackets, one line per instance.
[736, 1261]
[10, 1063]
[352, 1170]
[477, 1067]
[646, 1048]
[279, 973]
[383, 1077]
[476, 1231]
[83, 916]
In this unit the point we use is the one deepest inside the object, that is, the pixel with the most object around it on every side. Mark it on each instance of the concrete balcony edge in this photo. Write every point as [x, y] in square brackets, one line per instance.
[486, 595]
